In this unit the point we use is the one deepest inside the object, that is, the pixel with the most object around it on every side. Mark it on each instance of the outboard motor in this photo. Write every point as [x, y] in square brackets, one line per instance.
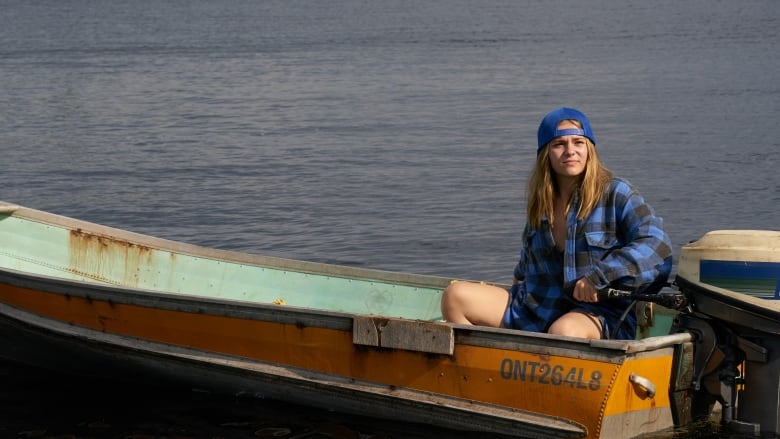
[731, 282]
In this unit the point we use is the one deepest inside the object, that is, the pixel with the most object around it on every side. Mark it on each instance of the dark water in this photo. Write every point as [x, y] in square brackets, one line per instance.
[394, 134]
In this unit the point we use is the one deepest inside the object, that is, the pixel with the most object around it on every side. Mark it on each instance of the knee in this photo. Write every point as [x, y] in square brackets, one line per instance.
[474, 303]
[452, 301]
[575, 325]
[449, 296]
[562, 327]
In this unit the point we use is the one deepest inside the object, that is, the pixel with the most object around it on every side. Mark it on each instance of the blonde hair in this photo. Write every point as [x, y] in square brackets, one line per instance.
[542, 186]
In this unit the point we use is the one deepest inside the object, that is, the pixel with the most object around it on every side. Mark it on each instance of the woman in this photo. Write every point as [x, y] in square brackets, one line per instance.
[586, 231]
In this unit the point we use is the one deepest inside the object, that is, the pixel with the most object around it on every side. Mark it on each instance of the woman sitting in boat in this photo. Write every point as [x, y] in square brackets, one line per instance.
[586, 231]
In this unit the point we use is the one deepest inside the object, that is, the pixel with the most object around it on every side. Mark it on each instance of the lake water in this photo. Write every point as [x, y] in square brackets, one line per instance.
[392, 134]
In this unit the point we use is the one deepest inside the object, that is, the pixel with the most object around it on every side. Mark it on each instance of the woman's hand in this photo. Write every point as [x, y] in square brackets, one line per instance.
[584, 291]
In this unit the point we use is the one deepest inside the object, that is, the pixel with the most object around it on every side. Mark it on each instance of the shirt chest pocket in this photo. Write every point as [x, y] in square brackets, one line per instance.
[600, 244]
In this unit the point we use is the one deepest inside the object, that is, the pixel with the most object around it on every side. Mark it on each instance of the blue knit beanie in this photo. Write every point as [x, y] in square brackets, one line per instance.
[548, 129]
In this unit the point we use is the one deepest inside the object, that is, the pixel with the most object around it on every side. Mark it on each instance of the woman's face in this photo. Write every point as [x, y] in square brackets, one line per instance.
[568, 154]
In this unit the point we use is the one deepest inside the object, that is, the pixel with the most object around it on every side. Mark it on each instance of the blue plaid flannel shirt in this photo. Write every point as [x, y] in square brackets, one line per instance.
[621, 244]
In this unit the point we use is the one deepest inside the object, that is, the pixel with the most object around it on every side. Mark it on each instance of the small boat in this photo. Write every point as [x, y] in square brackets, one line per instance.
[92, 299]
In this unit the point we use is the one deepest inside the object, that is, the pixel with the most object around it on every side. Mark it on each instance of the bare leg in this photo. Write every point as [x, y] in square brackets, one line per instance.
[473, 303]
[577, 324]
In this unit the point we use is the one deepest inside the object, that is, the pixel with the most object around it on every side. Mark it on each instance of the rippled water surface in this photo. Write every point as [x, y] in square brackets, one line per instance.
[394, 134]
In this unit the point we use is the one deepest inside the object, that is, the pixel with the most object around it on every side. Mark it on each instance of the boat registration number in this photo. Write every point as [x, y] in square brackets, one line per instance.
[551, 374]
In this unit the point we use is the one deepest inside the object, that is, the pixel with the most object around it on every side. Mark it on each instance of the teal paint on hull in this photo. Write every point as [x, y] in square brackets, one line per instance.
[44, 249]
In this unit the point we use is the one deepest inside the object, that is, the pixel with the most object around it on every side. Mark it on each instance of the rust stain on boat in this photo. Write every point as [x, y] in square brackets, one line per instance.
[107, 259]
